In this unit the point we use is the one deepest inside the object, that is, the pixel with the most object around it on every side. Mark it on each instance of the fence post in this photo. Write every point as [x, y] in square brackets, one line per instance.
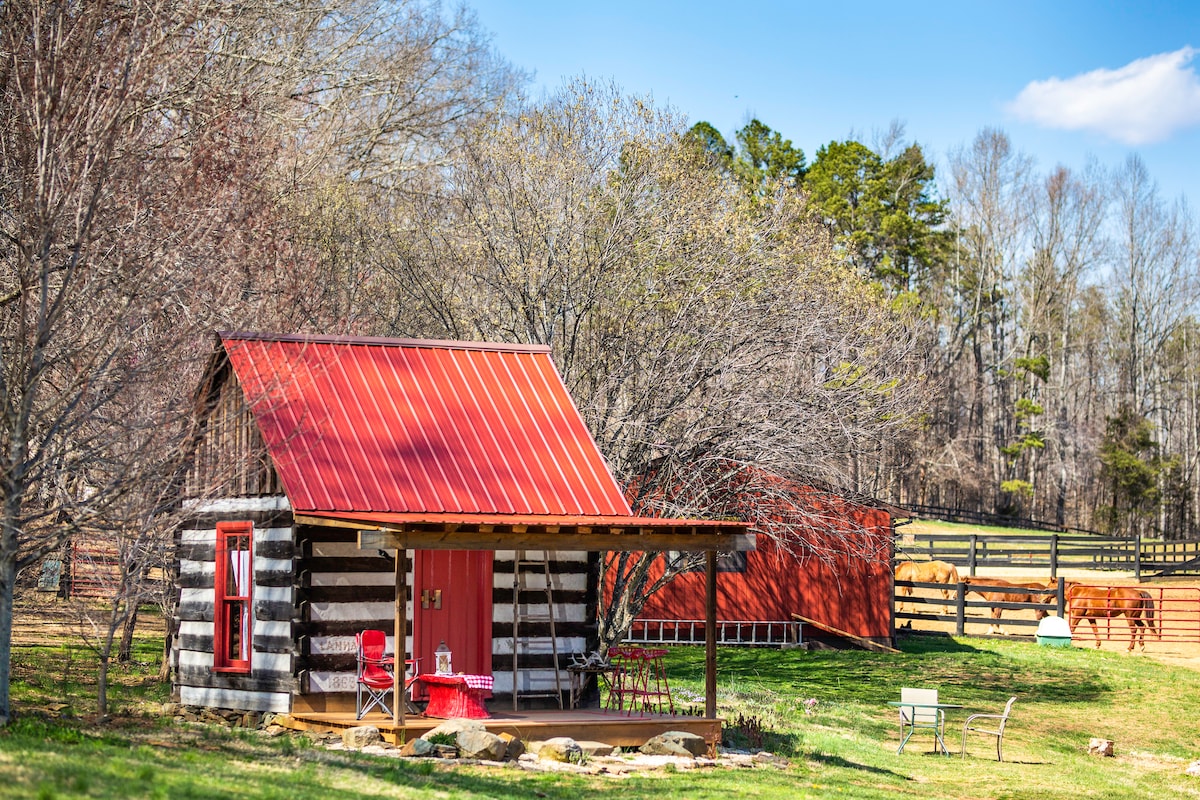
[1137, 557]
[1053, 556]
[960, 607]
[1061, 600]
[971, 559]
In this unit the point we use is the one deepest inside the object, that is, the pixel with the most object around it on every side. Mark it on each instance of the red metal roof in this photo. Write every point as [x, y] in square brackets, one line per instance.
[384, 519]
[408, 426]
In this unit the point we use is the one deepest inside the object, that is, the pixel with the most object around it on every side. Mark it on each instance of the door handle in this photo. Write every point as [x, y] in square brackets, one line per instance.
[431, 596]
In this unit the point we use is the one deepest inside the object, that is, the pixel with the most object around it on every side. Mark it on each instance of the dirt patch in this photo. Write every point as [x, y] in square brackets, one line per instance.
[43, 618]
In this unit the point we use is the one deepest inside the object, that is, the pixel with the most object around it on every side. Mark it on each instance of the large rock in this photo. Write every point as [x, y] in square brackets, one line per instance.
[675, 743]
[596, 749]
[563, 749]
[361, 736]
[417, 748]
[455, 727]
[481, 745]
[514, 747]
[1100, 747]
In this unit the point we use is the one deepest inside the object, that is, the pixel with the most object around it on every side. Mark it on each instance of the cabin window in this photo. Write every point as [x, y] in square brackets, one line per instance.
[731, 562]
[726, 562]
[232, 620]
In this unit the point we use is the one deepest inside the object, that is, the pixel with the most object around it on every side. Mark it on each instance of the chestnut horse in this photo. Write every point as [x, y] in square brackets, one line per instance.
[1108, 602]
[1043, 594]
[926, 572]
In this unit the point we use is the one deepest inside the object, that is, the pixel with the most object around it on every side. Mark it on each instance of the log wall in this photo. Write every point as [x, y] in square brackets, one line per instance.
[270, 683]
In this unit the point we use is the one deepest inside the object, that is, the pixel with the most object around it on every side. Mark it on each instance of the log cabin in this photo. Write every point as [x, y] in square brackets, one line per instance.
[441, 491]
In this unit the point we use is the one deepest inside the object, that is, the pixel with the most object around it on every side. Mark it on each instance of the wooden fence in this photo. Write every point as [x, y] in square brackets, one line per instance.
[1052, 552]
[1176, 612]
[984, 518]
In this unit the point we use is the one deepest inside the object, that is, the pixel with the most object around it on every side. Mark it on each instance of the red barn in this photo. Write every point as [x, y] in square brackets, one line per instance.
[822, 556]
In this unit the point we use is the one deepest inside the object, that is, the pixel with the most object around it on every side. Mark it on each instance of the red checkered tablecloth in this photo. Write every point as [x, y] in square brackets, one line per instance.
[477, 681]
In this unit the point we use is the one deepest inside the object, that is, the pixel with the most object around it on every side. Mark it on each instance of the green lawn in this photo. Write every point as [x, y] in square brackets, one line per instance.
[845, 747]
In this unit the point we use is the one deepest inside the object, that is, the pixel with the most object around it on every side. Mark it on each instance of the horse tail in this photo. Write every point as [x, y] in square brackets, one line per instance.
[1148, 605]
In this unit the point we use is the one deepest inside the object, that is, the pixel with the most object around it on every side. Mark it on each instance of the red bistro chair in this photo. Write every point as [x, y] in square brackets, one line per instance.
[628, 685]
[658, 692]
[375, 672]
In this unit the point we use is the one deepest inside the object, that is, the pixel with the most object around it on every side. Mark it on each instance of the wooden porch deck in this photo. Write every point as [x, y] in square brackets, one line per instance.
[598, 725]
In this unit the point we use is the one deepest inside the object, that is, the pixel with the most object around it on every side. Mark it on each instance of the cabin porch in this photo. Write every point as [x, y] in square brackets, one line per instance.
[599, 725]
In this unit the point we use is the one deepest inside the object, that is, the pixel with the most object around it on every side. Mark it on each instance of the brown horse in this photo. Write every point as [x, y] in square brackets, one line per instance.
[926, 572]
[1043, 594]
[1108, 602]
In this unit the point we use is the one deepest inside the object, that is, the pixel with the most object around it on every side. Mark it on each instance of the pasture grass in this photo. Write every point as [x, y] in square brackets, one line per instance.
[843, 745]
[963, 529]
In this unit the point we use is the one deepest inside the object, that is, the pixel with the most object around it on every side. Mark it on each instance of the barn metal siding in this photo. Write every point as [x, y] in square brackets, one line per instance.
[420, 426]
[847, 584]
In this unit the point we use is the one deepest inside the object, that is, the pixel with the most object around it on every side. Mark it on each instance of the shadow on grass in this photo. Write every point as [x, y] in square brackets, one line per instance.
[827, 760]
[980, 673]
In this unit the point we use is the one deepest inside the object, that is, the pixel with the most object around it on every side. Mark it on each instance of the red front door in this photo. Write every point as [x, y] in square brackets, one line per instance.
[452, 603]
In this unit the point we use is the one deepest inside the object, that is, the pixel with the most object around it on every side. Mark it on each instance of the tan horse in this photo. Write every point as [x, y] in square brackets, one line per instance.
[1108, 602]
[926, 572]
[1043, 594]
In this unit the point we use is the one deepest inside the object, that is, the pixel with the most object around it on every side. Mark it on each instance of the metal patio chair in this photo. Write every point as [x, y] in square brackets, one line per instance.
[913, 718]
[995, 727]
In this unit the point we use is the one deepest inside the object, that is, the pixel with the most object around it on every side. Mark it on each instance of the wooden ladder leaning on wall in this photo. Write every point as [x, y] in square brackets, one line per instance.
[523, 568]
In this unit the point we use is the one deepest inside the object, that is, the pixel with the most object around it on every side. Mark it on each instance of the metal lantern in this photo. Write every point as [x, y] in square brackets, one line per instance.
[441, 660]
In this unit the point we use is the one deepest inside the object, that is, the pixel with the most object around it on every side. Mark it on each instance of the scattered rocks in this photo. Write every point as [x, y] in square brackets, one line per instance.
[361, 736]
[481, 745]
[474, 744]
[596, 749]
[675, 743]
[417, 748]
[1100, 747]
[562, 749]
[455, 727]
[514, 747]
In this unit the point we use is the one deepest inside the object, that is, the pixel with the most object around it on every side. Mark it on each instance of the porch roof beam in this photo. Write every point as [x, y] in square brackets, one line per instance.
[492, 535]
[388, 539]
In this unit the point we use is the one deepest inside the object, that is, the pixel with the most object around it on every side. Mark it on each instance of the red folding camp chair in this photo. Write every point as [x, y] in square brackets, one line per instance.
[375, 672]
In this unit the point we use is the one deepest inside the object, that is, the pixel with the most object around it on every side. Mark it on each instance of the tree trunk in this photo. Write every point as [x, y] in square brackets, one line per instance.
[102, 682]
[164, 671]
[126, 648]
[8, 577]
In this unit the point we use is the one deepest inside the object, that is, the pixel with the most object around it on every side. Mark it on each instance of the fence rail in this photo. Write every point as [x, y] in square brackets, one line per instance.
[984, 518]
[1051, 552]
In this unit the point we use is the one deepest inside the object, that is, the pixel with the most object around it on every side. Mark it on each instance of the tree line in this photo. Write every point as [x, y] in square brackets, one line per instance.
[723, 313]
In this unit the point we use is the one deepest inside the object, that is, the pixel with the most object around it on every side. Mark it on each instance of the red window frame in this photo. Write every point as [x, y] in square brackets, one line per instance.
[233, 603]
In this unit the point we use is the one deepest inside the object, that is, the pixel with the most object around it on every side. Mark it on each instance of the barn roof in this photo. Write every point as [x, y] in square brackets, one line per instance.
[398, 434]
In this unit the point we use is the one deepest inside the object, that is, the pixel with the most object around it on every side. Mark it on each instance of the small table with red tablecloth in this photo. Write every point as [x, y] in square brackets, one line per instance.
[457, 696]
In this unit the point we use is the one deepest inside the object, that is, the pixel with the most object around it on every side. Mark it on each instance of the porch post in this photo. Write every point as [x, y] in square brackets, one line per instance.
[710, 636]
[401, 654]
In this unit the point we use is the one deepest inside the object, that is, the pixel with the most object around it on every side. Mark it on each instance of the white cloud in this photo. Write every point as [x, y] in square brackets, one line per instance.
[1145, 101]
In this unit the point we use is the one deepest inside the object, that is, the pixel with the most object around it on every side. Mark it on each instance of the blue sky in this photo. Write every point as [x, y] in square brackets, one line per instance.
[1065, 80]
